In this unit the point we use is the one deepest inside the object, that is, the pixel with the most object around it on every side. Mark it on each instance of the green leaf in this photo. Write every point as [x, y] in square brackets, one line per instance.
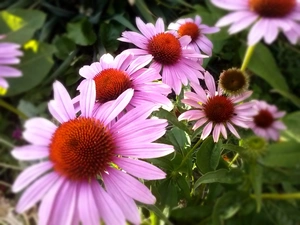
[144, 10]
[221, 176]
[164, 114]
[81, 32]
[35, 65]
[292, 121]
[109, 32]
[208, 155]
[263, 64]
[168, 193]
[19, 25]
[293, 98]
[227, 206]
[255, 175]
[285, 154]
[64, 46]
[125, 22]
[179, 139]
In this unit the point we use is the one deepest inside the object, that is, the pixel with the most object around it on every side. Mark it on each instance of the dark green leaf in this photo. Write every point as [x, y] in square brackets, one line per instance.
[109, 32]
[19, 25]
[222, 176]
[179, 139]
[64, 46]
[81, 32]
[292, 121]
[208, 155]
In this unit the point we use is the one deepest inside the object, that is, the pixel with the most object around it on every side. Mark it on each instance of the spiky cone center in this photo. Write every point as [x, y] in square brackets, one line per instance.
[81, 148]
[165, 48]
[191, 29]
[110, 84]
[272, 8]
[233, 81]
[218, 109]
[263, 119]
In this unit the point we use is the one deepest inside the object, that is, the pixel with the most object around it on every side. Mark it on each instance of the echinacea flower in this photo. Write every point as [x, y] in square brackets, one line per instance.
[266, 121]
[233, 81]
[88, 164]
[9, 53]
[216, 110]
[267, 16]
[112, 76]
[177, 64]
[197, 31]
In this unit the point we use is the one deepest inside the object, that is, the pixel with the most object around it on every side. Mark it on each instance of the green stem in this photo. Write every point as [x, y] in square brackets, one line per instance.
[13, 109]
[233, 160]
[247, 57]
[7, 166]
[276, 196]
[8, 144]
[187, 156]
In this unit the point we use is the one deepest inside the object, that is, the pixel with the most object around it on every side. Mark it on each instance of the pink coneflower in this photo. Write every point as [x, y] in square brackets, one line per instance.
[178, 64]
[9, 53]
[268, 16]
[89, 162]
[197, 32]
[112, 76]
[266, 122]
[216, 110]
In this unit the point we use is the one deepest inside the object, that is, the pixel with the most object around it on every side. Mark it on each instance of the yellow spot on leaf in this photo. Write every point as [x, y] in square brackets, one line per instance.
[32, 44]
[13, 22]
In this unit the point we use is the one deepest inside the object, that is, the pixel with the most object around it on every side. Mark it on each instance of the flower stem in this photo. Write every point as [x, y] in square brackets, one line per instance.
[247, 57]
[13, 109]
[233, 160]
[276, 196]
[189, 154]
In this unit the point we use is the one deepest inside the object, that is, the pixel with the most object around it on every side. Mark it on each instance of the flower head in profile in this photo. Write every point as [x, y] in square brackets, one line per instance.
[177, 64]
[88, 165]
[266, 122]
[197, 31]
[9, 53]
[267, 16]
[215, 110]
[112, 76]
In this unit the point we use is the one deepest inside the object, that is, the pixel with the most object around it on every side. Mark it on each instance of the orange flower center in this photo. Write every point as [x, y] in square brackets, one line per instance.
[190, 29]
[219, 109]
[272, 8]
[165, 48]
[110, 83]
[81, 148]
[263, 119]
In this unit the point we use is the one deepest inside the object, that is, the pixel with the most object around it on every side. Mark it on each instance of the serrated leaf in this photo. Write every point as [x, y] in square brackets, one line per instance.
[19, 25]
[221, 176]
[35, 65]
[81, 32]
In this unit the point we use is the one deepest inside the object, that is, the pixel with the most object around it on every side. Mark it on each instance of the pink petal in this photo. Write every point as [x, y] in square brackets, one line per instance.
[87, 98]
[140, 169]
[30, 174]
[30, 152]
[206, 130]
[36, 191]
[216, 132]
[108, 208]
[129, 185]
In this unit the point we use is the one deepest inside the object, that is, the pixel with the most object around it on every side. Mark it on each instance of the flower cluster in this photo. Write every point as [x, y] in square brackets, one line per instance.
[89, 159]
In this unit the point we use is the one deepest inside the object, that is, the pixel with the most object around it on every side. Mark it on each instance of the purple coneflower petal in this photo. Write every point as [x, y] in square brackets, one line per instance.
[108, 208]
[216, 132]
[30, 152]
[129, 186]
[36, 191]
[140, 169]
[206, 130]
[88, 98]
[30, 174]
[232, 130]
[87, 208]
